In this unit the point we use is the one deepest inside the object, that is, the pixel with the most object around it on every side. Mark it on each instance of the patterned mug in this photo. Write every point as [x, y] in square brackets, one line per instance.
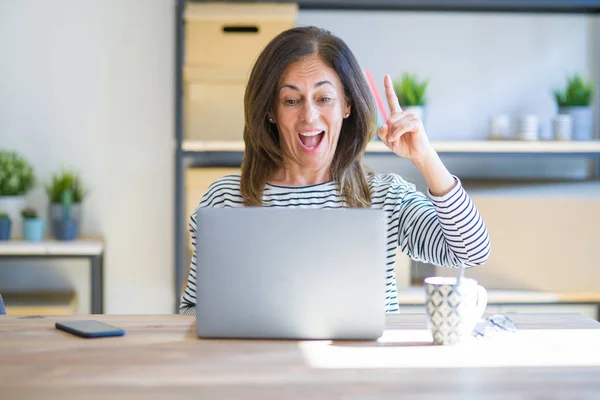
[453, 311]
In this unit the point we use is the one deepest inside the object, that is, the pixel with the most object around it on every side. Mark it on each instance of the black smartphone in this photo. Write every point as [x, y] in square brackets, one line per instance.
[89, 328]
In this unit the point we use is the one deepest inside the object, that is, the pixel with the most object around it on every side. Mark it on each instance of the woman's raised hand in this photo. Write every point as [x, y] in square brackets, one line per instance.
[403, 133]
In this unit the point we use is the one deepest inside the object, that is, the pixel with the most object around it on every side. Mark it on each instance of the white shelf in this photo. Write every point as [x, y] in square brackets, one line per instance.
[212, 145]
[79, 247]
[500, 146]
[481, 146]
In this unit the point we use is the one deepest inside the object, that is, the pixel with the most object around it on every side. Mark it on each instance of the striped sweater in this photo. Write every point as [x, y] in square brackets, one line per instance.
[446, 231]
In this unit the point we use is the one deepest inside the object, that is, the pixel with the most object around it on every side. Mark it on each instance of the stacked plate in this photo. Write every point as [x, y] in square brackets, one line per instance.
[562, 127]
[528, 127]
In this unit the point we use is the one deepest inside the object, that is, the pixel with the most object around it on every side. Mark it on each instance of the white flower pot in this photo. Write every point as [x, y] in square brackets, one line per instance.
[13, 205]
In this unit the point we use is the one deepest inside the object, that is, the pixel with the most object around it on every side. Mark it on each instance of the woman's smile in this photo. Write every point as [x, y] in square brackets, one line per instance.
[311, 140]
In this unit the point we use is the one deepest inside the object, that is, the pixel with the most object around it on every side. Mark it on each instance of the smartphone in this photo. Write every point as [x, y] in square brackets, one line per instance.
[89, 329]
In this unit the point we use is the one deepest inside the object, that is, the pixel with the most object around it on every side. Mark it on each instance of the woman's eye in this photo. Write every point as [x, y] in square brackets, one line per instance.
[325, 99]
[291, 102]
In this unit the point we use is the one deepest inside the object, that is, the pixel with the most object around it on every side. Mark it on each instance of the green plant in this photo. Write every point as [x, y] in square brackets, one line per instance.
[29, 213]
[4, 215]
[410, 91]
[64, 181]
[578, 92]
[67, 204]
[16, 175]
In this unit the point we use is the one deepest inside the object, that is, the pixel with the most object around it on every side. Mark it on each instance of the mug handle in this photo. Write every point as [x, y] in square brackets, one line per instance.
[482, 300]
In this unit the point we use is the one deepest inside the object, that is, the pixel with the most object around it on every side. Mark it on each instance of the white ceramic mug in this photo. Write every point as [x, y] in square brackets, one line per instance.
[453, 311]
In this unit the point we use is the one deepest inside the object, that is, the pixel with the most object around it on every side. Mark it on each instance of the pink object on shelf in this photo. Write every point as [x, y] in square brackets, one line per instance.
[376, 94]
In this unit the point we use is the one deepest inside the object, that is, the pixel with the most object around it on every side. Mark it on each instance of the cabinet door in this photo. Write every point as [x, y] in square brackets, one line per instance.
[232, 35]
[214, 110]
[197, 181]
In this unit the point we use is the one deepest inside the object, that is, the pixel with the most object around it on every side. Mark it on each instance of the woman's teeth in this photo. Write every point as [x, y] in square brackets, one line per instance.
[314, 133]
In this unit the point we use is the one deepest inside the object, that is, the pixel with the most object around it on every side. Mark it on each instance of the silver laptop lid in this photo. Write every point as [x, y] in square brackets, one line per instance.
[290, 273]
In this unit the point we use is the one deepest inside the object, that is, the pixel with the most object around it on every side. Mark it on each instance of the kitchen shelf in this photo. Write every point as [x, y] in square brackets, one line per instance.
[521, 6]
[591, 148]
[211, 152]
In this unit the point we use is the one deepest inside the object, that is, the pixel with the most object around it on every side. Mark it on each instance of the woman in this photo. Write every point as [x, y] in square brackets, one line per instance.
[309, 116]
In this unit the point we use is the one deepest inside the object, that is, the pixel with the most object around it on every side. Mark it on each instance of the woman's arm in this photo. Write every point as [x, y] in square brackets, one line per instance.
[445, 229]
[442, 230]
[438, 178]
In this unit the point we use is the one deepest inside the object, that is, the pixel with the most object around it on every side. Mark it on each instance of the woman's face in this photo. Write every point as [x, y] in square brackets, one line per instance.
[309, 110]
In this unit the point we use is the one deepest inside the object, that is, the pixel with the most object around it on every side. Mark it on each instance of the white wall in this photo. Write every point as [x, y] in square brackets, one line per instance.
[89, 84]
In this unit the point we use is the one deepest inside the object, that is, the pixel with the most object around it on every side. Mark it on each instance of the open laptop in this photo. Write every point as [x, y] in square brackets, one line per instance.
[285, 273]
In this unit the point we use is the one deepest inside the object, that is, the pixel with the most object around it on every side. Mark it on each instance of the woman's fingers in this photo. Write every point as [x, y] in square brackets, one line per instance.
[382, 133]
[401, 115]
[392, 99]
[396, 127]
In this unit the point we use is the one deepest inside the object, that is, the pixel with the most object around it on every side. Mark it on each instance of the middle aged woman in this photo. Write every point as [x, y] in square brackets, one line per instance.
[309, 115]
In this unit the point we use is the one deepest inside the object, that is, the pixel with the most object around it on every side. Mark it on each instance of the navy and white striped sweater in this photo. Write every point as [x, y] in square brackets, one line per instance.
[446, 231]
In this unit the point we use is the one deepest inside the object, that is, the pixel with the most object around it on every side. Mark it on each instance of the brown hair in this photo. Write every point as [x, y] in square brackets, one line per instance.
[263, 155]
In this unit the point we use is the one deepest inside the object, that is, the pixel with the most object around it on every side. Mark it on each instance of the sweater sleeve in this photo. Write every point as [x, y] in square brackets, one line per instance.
[221, 193]
[188, 299]
[446, 231]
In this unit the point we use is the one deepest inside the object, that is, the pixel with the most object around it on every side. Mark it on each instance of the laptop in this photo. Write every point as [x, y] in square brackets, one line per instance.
[283, 273]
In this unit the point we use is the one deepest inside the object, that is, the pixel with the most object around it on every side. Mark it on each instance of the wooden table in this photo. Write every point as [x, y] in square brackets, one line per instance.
[88, 249]
[551, 356]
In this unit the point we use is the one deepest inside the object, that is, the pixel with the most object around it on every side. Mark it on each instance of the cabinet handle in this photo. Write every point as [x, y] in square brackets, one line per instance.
[240, 29]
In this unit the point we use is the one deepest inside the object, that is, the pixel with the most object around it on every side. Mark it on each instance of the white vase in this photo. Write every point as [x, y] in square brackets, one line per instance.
[583, 121]
[13, 205]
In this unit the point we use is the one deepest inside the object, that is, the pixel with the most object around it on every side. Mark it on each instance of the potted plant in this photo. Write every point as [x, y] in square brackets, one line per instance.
[16, 179]
[66, 227]
[411, 94]
[575, 100]
[33, 226]
[65, 183]
[4, 226]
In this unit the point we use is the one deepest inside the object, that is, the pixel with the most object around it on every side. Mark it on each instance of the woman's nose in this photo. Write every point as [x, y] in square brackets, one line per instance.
[310, 112]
